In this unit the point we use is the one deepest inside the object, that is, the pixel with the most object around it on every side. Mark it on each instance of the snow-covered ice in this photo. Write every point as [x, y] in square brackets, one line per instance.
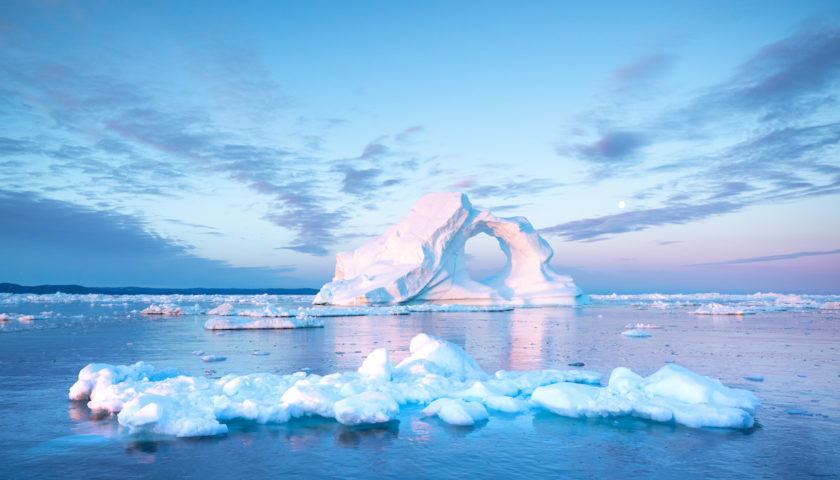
[437, 374]
[421, 258]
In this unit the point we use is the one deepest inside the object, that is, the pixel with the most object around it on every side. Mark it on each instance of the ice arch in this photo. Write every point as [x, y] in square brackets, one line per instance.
[421, 258]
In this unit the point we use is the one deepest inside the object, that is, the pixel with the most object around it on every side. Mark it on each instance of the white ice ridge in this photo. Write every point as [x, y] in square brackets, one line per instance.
[421, 258]
[438, 375]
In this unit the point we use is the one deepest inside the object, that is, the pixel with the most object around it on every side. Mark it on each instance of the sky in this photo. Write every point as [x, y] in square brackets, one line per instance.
[657, 146]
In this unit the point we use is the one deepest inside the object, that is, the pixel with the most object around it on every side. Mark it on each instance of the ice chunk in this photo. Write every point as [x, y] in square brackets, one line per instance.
[311, 399]
[366, 407]
[450, 358]
[641, 326]
[456, 412]
[673, 393]
[635, 333]
[268, 310]
[421, 258]
[159, 414]
[213, 358]
[224, 309]
[163, 309]
[755, 378]
[569, 399]
[96, 382]
[377, 365]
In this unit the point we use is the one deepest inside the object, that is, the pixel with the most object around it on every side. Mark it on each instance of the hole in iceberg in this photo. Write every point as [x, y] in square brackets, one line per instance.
[483, 257]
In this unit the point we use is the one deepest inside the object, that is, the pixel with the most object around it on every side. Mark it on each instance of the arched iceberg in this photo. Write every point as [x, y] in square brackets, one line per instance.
[421, 258]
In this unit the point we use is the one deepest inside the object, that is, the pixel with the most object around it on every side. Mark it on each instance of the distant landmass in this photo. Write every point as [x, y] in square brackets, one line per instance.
[79, 289]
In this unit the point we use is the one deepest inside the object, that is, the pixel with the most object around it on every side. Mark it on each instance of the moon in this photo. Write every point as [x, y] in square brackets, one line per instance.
[622, 204]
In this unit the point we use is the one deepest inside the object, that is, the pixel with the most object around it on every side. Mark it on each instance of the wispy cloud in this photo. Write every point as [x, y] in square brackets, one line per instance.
[612, 146]
[769, 258]
[514, 188]
[600, 228]
[641, 72]
[57, 241]
[408, 133]
[765, 134]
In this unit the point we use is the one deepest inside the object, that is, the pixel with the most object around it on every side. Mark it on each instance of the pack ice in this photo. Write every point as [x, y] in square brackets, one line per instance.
[421, 258]
[437, 374]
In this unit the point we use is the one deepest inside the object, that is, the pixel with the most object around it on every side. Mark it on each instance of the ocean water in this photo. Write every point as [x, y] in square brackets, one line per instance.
[792, 341]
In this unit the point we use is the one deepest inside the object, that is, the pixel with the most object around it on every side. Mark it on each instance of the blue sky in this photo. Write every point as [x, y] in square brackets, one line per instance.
[673, 146]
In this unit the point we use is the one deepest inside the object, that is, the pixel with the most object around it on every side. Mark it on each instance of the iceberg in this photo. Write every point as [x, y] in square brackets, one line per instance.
[438, 376]
[421, 258]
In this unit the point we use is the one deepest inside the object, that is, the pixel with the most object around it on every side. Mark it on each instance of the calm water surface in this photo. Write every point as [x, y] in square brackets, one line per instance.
[43, 435]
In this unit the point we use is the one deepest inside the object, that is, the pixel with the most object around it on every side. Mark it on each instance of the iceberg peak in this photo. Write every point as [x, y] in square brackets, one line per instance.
[421, 258]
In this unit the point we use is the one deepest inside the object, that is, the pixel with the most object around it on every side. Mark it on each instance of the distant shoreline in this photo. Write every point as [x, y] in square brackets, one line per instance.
[79, 289]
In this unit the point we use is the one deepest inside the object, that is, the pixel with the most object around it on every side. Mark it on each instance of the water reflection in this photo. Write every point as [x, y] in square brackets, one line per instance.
[371, 437]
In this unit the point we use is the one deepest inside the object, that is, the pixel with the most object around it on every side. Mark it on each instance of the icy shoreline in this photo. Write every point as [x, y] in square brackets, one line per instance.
[437, 374]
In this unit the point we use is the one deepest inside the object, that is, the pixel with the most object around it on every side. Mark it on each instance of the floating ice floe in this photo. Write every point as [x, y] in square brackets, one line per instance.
[642, 326]
[672, 394]
[437, 374]
[718, 309]
[163, 309]
[830, 306]
[6, 317]
[421, 258]
[269, 310]
[754, 378]
[757, 302]
[635, 333]
[262, 323]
